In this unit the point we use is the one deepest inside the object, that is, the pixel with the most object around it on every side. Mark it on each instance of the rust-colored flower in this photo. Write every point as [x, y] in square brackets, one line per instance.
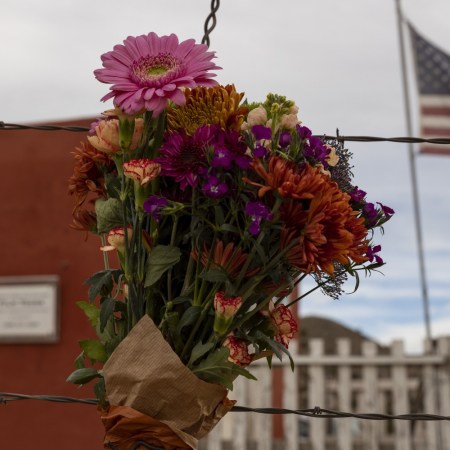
[227, 257]
[327, 230]
[141, 170]
[84, 220]
[284, 323]
[88, 175]
[218, 105]
[239, 353]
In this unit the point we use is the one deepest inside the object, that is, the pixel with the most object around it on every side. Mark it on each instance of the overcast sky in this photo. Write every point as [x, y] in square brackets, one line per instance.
[339, 60]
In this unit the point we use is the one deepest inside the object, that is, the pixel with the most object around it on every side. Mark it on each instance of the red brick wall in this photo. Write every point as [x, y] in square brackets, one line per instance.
[35, 239]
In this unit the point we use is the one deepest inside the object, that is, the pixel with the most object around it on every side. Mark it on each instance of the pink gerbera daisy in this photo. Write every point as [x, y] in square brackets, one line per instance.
[147, 71]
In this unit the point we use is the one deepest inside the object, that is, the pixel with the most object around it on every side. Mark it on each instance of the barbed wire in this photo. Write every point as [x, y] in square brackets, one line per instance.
[340, 138]
[323, 413]
[215, 5]
[15, 126]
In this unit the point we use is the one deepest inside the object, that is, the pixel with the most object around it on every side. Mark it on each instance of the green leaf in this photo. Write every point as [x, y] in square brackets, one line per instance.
[217, 369]
[109, 214]
[94, 350]
[215, 276]
[106, 311]
[230, 228]
[91, 311]
[218, 212]
[79, 361]
[83, 376]
[198, 351]
[112, 185]
[160, 259]
[276, 347]
[100, 391]
[189, 317]
[101, 283]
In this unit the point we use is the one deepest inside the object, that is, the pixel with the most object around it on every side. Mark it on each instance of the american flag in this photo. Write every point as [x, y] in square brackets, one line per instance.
[433, 81]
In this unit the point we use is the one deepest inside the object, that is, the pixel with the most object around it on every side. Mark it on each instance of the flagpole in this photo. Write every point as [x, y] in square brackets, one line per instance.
[412, 163]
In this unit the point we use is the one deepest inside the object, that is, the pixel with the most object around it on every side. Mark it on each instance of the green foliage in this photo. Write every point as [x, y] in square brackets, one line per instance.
[159, 261]
[94, 350]
[217, 369]
[109, 214]
[83, 376]
[101, 283]
[91, 311]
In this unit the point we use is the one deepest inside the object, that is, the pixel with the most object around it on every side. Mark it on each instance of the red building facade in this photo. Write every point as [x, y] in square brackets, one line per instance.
[35, 213]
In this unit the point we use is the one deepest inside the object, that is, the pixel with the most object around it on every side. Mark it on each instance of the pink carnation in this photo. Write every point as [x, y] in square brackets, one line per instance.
[147, 71]
[141, 170]
[106, 138]
[284, 323]
[238, 351]
[226, 307]
[116, 239]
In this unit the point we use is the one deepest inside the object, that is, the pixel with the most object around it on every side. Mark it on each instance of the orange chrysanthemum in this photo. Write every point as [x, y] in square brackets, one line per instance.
[218, 105]
[327, 229]
[285, 178]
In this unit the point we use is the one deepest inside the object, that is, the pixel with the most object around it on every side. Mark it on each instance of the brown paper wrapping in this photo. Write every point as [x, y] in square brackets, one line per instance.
[145, 374]
[125, 426]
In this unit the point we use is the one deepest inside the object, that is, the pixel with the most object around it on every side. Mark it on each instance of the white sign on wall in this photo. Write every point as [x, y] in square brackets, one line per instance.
[29, 309]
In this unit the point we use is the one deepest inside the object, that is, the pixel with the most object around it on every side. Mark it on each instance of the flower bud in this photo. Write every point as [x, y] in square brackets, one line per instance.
[289, 121]
[106, 138]
[116, 239]
[226, 309]
[257, 116]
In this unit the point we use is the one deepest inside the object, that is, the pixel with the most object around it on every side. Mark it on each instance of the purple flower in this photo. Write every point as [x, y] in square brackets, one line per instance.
[213, 188]
[388, 212]
[257, 212]
[316, 150]
[243, 162]
[370, 213]
[357, 195]
[285, 139]
[371, 254]
[183, 157]
[153, 206]
[261, 132]
[303, 132]
[259, 151]
[222, 158]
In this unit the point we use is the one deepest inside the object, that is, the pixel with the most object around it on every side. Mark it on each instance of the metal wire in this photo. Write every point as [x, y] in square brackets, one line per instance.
[339, 137]
[6, 398]
[15, 126]
[208, 27]
[137, 445]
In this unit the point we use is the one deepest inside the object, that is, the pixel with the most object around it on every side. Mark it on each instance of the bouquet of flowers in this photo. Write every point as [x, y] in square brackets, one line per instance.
[213, 210]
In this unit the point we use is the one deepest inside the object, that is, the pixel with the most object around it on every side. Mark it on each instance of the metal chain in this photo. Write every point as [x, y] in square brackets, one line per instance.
[215, 5]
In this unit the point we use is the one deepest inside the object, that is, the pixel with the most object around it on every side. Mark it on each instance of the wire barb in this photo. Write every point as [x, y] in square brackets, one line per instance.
[6, 398]
[208, 28]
